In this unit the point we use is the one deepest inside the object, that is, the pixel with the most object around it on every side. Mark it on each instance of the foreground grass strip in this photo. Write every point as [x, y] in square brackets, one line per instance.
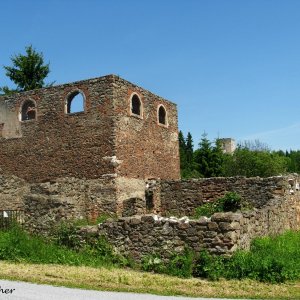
[133, 281]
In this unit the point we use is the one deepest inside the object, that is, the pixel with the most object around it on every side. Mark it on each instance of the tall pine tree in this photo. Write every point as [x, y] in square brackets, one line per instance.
[203, 157]
[189, 151]
[209, 158]
[182, 151]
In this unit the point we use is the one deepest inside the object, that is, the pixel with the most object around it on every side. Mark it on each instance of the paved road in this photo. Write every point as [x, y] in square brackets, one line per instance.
[15, 290]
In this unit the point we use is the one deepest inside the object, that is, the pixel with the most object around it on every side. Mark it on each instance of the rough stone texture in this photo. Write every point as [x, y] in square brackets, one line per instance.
[103, 139]
[134, 206]
[128, 188]
[12, 190]
[68, 198]
[223, 233]
[147, 149]
[182, 197]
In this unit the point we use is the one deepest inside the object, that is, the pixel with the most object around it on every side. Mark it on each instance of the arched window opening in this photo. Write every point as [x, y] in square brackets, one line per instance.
[28, 111]
[75, 103]
[162, 115]
[136, 105]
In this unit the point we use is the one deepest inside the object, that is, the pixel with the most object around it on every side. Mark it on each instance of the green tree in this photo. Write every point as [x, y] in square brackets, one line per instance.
[27, 71]
[293, 158]
[189, 150]
[186, 151]
[182, 151]
[217, 159]
[249, 163]
[209, 158]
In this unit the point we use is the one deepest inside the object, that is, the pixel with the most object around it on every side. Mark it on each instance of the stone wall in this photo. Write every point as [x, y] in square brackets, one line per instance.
[182, 197]
[223, 233]
[72, 198]
[104, 139]
[12, 191]
[56, 144]
[146, 148]
[68, 199]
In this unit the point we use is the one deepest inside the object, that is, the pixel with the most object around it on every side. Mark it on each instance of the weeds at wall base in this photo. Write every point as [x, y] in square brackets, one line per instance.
[271, 259]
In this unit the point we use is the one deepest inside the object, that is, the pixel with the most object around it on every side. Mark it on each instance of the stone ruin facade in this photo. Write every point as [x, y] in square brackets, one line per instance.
[119, 156]
[122, 135]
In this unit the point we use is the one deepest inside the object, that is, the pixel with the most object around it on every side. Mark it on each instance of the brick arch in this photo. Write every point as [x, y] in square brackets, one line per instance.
[69, 99]
[28, 110]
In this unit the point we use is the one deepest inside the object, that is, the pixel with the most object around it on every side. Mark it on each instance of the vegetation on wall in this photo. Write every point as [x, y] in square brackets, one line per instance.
[230, 202]
[251, 158]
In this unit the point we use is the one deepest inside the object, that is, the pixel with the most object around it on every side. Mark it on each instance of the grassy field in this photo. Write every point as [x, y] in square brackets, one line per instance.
[141, 282]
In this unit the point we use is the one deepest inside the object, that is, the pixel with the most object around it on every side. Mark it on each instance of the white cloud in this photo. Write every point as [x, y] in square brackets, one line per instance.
[280, 138]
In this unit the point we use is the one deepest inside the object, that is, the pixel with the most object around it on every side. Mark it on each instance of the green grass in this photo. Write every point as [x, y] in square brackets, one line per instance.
[126, 280]
[270, 259]
[16, 245]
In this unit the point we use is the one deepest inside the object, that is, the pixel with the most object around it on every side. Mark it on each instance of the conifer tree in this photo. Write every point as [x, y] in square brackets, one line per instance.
[28, 71]
[203, 157]
[182, 151]
[189, 150]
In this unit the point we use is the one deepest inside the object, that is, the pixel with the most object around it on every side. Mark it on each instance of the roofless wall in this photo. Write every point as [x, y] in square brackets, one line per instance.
[44, 135]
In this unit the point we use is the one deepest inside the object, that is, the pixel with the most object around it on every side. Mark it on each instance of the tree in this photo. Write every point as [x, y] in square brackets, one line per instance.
[189, 150]
[203, 157]
[248, 162]
[208, 158]
[182, 151]
[28, 71]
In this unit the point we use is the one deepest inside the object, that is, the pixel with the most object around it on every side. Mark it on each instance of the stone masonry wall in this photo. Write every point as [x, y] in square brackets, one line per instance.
[182, 197]
[67, 198]
[103, 139]
[223, 233]
[146, 148]
[56, 144]
[12, 190]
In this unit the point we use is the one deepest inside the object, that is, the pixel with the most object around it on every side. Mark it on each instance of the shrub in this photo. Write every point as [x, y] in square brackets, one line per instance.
[180, 265]
[153, 263]
[230, 202]
[208, 266]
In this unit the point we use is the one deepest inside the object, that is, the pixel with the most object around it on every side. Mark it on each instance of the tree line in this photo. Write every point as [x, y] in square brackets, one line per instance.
[251, 158]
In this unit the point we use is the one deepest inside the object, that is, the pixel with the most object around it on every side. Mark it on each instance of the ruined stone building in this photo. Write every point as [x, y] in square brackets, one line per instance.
[122, 131]
[123, 135]
[118, 154]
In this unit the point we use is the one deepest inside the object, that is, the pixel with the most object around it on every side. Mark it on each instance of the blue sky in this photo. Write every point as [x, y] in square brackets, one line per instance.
[232, 66]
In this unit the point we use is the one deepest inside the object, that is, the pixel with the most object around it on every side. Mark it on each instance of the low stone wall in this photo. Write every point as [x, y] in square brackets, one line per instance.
[182, 197]
[223, 233]
[150, 234]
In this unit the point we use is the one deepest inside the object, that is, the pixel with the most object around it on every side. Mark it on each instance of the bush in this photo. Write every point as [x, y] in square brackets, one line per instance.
[180, 265]
[208, 266]
[230, 202]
